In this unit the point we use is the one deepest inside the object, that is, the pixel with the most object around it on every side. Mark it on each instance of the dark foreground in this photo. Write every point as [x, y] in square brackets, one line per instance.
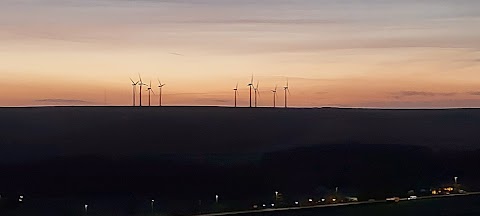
[442, 206]
[180, 156]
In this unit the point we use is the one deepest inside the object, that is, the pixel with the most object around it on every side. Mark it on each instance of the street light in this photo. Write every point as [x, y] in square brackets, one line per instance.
[456, 179]
[216, 198]
[151, 204]
[276, 195]
[86, 209]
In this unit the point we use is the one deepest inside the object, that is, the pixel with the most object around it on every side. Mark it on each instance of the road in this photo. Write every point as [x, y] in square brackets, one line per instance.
[331, 205]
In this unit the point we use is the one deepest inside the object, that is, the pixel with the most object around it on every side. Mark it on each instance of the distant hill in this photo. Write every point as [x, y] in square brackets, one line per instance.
[178, 152]
[34, 133]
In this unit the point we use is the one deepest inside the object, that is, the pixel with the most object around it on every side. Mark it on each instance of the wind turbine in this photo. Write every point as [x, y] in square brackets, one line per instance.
[274, 96]
[250, 85]
[160, 86]
[256, 92]
[150, 90]
[285, 89]
[236, 93]
[141, 85]
[134, 86]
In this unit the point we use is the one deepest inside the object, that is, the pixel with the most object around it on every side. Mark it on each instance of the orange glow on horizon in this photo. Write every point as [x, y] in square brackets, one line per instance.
[391, 56]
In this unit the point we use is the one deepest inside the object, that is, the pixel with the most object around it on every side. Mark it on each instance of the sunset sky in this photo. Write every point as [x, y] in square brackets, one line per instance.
[349, 53]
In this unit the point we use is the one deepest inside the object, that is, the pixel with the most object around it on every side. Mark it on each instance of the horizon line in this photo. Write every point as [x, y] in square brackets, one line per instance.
[241, 107]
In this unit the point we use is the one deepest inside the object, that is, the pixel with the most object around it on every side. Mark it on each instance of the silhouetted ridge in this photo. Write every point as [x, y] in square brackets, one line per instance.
[33, 133]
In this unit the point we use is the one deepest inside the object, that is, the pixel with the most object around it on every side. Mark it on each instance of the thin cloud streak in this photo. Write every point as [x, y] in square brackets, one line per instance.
[423, 104]
[475, 93]
[177, 54]
[62, 101]
[422, 93]
[407, 94]
[263, 21]
[213, 101]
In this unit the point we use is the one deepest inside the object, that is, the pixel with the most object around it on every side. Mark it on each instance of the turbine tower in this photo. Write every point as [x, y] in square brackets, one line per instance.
[274, 96]
[134, 86]
[257, 92]
[285, 89]
[160, 86]
[150, 90]
[141, 85]
[236, 93]
[250, 85]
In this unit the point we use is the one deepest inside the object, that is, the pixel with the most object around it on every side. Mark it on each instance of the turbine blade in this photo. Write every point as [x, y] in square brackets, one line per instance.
[251, 80]
[288, 91]
[132, 80]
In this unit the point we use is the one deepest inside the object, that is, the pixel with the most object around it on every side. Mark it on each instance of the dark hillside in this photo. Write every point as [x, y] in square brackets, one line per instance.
[27, 133]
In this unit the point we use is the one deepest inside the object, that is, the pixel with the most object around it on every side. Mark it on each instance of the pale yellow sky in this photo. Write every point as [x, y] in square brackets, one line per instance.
[335, 53]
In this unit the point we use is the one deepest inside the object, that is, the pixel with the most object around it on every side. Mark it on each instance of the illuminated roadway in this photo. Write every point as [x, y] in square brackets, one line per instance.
[331, 205]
